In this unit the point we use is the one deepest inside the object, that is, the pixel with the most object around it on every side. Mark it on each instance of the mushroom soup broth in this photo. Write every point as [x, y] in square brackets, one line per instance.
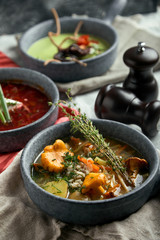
[74, 169]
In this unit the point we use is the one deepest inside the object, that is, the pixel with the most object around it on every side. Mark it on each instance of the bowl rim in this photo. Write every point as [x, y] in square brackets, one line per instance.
[119, 198]
[51, 109]
[62, 19]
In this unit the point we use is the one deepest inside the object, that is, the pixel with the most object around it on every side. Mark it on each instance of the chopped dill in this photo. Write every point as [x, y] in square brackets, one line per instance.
[70, 160]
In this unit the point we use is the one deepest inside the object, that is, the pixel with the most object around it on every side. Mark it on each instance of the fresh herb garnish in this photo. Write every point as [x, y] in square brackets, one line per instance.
[70, 160]
[71, 189]
[58, 190]
[50, 104]
[4, 116]
[82, 124]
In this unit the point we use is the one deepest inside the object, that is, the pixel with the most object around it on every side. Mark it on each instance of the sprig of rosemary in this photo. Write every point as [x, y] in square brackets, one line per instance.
[84, 125]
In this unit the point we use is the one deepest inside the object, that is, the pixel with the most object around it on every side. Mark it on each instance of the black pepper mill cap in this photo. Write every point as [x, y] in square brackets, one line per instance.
[141, 57]
[140, 80]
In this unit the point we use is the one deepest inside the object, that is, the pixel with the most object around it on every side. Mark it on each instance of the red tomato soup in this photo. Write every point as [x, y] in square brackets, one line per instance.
[33, 105]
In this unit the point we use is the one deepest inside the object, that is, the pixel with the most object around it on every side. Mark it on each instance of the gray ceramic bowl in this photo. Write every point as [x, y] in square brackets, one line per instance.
[70, 71]
[12, 140]
[91, 212]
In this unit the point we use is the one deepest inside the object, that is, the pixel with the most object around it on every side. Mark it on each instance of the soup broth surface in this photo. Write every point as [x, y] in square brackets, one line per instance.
[32, 105]
[43, 49]
[86, 175]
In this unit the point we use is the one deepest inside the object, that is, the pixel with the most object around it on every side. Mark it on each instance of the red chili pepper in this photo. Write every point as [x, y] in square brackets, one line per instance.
[83, 40]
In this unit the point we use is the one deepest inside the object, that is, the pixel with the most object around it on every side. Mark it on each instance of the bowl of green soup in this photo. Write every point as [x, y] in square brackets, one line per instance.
[72, 60]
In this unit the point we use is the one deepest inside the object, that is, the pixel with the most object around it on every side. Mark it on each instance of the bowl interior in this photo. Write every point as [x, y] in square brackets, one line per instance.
[69, 71]
[108, 128]
[31, 78]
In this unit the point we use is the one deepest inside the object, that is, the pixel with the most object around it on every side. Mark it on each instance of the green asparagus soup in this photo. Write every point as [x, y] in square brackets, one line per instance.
[44, 49]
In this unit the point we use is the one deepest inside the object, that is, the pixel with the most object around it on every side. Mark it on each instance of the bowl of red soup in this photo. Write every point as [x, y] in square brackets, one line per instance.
[29, 97]
[90, 177]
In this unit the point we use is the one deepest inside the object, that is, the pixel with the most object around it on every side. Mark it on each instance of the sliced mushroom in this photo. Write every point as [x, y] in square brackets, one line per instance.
[134, 165]
[73, 51]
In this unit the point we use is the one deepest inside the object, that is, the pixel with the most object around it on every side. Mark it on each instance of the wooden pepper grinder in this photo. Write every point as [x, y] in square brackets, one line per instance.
[141, 60]
[119, 104]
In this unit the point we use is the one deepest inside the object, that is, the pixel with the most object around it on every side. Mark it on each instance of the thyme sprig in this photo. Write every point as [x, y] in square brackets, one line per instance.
[84, 125]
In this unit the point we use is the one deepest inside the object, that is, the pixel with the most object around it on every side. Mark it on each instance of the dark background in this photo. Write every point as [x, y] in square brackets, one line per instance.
[19, 15]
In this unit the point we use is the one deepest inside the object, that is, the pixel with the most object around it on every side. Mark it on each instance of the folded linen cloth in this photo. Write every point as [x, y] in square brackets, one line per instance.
[20, 219]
